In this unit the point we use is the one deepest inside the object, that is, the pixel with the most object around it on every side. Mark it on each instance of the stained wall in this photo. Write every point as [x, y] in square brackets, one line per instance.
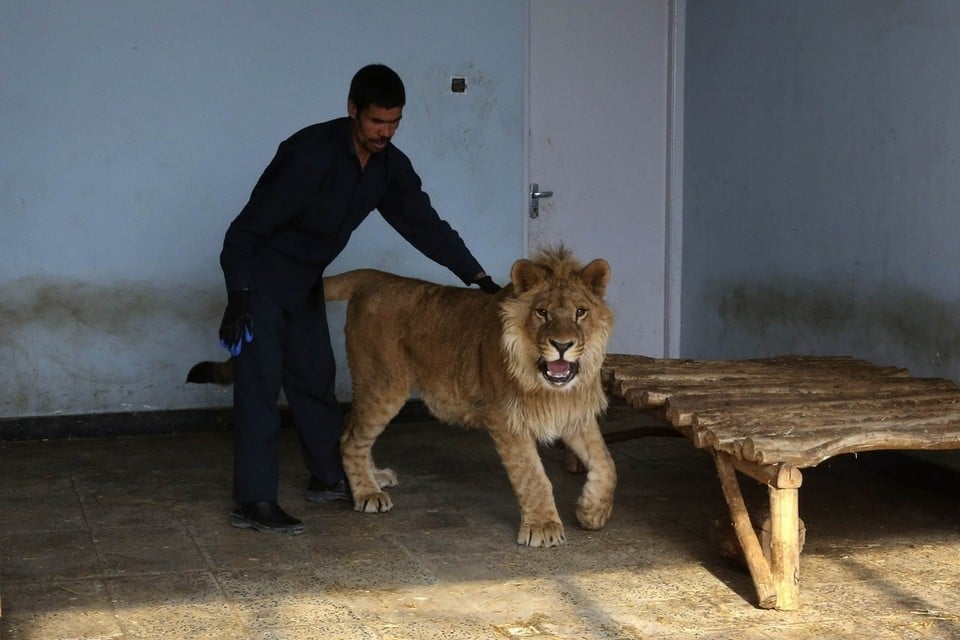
[822, 181]
[133, 132]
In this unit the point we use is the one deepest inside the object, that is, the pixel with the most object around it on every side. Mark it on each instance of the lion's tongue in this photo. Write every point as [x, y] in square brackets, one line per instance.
[558, 367]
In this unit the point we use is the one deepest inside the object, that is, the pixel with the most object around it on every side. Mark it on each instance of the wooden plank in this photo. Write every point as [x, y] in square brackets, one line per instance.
[794, 385]
[740, 369]
[617, 360]
[614, 361]
[680, 410]
[805, 423]
[811, 453]
[748, 383]
[631, 368]
[791, 367]
[927, 427]
[832, 426]
[650, 395]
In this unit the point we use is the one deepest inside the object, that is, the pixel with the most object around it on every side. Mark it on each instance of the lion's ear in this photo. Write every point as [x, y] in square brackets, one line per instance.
[525, 275]
[596, 275]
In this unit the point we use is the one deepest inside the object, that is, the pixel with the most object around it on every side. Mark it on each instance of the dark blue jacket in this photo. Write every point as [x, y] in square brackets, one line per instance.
[308, 202]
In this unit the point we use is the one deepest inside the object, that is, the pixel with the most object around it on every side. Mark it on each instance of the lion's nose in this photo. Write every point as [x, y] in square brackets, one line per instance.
[561, 346]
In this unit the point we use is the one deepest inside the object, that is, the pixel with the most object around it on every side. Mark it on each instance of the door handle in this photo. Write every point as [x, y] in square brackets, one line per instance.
[535, 195]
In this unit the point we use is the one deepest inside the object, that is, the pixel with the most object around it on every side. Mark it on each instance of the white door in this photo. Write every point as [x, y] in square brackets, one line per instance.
[600, 124]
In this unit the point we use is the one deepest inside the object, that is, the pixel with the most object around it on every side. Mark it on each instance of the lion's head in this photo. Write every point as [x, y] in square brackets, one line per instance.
[556, 323]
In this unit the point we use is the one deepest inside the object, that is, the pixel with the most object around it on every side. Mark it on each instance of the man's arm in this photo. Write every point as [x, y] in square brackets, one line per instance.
[408, 210]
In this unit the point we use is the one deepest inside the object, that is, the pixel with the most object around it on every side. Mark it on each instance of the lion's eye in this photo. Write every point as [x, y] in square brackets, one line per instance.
[541, 312]
[581, 312]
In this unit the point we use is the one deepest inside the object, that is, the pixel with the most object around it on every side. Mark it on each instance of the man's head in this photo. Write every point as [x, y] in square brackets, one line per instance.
[375, 105]
[376, 84]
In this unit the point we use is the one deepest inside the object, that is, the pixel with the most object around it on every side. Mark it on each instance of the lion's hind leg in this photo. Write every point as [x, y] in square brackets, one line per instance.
[596, 500]
[367, 419]
[384, 477]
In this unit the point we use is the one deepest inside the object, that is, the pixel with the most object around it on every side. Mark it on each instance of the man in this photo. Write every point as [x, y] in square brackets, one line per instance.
[319, 187]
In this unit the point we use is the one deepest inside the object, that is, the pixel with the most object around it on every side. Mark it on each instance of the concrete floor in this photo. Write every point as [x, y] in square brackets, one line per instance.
[127, 537]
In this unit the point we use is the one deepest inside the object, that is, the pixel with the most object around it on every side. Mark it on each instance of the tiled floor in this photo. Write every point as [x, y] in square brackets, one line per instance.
[127, 537]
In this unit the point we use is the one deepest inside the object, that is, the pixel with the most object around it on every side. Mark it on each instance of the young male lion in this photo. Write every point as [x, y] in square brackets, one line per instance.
[524, 364]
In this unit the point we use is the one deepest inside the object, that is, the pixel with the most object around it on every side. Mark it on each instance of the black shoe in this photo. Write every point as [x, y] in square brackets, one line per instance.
[319, 492]
[267, 517]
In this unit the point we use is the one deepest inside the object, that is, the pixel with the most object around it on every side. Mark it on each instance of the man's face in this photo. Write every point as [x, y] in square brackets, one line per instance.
[373, 127]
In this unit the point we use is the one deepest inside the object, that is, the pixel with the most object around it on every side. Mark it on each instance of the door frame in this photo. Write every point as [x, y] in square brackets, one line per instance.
[674, 218]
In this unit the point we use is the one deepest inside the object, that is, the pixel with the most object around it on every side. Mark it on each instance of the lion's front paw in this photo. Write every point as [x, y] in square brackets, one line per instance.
[372, 502]
[594, 516]
[548, 534]
[385, 478]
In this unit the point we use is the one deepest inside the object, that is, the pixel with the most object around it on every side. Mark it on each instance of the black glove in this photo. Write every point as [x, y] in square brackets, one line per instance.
[487, 284]
[237, 324]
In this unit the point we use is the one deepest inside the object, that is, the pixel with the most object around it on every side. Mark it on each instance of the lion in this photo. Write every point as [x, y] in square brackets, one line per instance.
[523, 364]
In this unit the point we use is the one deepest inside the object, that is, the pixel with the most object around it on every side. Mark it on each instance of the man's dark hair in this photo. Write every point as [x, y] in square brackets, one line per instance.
[377, 84]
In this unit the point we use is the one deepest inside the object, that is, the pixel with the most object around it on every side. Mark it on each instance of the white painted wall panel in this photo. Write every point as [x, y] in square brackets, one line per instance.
[133, 132]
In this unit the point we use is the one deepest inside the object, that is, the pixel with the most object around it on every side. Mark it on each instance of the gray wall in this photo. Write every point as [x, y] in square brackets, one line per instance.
[133, 131]
[822, 181]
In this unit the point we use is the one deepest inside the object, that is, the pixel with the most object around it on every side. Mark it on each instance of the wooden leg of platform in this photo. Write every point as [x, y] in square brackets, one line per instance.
[746, 536]
[785, 546]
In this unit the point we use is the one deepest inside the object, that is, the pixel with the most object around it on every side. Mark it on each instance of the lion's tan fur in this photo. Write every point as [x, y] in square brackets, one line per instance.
[474, 359]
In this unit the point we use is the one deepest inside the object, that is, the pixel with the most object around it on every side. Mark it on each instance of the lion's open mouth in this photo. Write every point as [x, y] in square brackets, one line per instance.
[558, 372]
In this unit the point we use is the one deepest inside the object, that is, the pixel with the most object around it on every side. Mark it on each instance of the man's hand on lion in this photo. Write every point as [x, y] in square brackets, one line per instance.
[486, 284]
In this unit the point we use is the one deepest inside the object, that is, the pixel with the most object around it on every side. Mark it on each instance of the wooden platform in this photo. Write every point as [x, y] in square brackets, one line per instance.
[770, 418]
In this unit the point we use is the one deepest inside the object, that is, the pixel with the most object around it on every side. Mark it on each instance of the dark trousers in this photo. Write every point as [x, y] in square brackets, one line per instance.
[289, 350]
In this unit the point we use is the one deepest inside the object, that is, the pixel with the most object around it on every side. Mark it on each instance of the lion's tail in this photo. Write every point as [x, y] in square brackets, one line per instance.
[208, 372]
